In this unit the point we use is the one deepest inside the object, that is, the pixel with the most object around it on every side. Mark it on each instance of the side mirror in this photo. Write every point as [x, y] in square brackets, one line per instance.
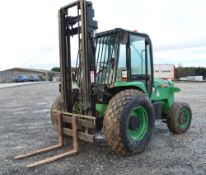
[124, 75]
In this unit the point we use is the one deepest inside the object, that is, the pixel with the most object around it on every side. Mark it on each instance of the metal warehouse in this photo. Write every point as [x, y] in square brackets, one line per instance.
[9, 75]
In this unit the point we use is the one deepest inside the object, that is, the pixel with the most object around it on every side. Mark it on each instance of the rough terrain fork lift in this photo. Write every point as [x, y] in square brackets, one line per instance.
[112, 89]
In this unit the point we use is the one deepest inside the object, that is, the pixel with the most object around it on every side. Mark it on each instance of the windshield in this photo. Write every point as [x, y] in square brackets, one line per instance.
[105, 55]
[137, 47]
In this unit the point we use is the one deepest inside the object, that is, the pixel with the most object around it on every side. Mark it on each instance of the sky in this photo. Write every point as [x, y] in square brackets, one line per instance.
[177, 28]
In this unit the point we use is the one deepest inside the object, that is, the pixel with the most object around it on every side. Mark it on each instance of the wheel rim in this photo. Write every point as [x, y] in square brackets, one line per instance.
[138, 123]
[184, 119]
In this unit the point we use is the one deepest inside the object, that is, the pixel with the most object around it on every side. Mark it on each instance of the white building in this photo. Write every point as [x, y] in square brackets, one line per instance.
[164, 71]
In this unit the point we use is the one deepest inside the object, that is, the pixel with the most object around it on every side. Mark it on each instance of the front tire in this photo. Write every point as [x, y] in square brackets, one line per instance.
[128, 122]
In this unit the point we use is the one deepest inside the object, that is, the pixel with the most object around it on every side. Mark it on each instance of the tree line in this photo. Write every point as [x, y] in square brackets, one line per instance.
[57, 69]
[190, 71]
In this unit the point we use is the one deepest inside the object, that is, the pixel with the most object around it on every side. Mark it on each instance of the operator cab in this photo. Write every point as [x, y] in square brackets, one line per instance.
[123, 56]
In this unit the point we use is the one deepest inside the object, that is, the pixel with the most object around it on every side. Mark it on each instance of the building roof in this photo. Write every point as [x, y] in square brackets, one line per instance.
[28, 69]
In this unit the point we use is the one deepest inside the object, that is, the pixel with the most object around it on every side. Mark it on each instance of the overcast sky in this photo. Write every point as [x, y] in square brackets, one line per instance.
[29, 29]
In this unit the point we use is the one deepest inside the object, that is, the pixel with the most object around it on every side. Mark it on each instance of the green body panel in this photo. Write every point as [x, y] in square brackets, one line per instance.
[138, 85]
[101, 108]
[163, 91]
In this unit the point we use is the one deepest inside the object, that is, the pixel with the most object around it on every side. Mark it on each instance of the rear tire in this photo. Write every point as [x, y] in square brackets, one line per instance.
[179, 118]
[128, 122]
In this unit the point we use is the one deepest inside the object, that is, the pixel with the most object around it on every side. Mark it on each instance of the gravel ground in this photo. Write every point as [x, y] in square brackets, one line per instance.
[25, 125]
[7, 85]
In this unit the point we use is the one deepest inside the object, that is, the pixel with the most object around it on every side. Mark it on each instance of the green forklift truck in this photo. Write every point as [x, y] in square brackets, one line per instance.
[112, 92]
[114, 81]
